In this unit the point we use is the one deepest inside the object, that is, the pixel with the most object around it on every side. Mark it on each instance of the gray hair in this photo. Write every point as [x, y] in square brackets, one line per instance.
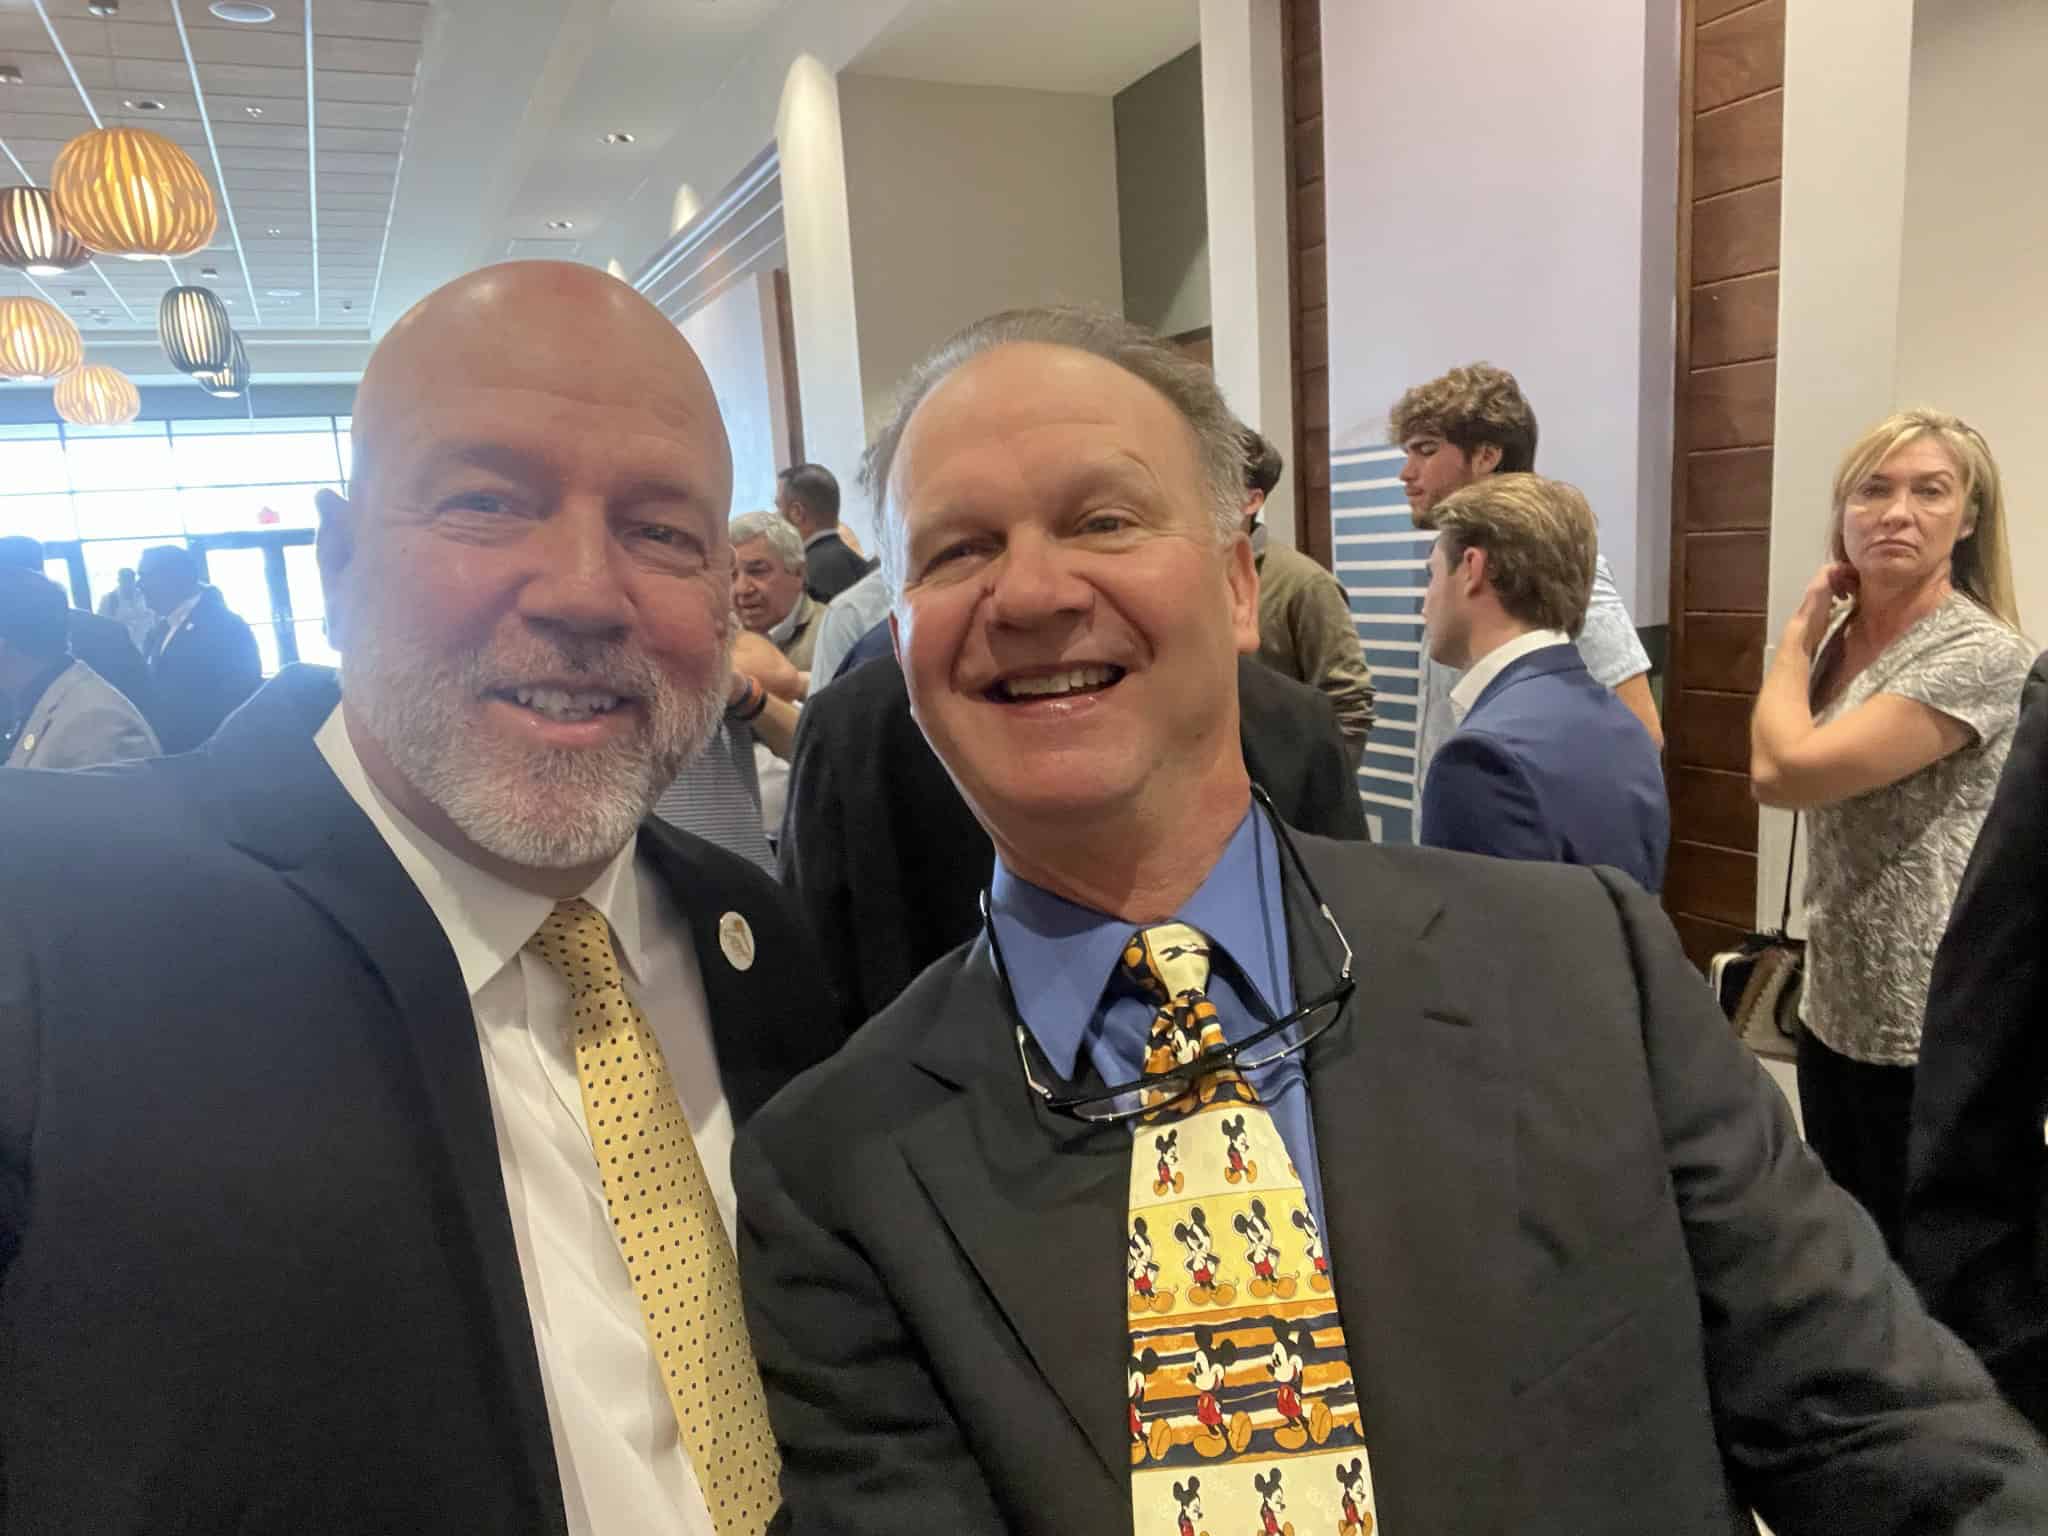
[786, 543]
[1189, 387]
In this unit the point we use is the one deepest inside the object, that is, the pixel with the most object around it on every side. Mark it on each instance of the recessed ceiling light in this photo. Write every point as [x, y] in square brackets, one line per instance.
[618, 138]
[209, 271]
[10, 74]
[561, 224]
[348, 303]
[284, 293]
[247, 12]
[104, 7]
[143, 104]
[78, 293]
[253, 111]
[274, 230]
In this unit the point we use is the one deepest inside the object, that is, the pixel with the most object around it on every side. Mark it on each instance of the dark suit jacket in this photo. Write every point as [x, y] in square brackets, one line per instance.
[210, 667]
[830, 567]
[1977, 1193]
[889, 863]
[1593, 1283]
[256, 1268]
[105, 646]
[1549, 765]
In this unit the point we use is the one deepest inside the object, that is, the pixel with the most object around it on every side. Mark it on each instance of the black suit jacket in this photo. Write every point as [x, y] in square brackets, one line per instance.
[889, 863]
[1977, 1193]
[256, 1268]
[1593, 1283]
[830, 567]
[210, 667]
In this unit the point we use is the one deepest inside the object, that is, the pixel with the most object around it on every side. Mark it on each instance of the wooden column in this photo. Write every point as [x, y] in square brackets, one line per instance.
[1301, 55]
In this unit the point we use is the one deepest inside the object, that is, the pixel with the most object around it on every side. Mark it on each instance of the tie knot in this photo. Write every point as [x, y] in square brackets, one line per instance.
[1168, 960]
[577, 941]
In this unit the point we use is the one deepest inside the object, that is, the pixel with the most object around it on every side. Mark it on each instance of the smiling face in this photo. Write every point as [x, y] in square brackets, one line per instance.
[532, 584]
[1901, 522]
[1070, 623]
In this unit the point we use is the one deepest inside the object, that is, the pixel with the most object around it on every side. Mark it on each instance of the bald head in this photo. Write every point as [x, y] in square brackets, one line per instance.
[545, 327]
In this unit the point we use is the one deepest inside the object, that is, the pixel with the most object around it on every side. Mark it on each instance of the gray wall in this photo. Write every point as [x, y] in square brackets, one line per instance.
[1162, 199]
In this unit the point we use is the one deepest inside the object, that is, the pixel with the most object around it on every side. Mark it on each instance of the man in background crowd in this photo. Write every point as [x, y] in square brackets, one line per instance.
[101, 644]
[717, 795]
[768, 585]
[203, 661]
[848, 618]
[1545, 763]
[55, 711]
[808, 495]
[1305, 627]
[127, 607]
[1473, 422]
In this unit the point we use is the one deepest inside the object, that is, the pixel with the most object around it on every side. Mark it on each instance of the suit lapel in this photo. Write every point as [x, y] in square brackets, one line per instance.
[1414, 1127]
[328, 851]
[1036, 1201]
[37, 728]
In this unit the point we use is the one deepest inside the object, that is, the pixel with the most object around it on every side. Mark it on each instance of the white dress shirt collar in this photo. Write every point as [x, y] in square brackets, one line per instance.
[1496, 661]
[488, 920]
[783, 630]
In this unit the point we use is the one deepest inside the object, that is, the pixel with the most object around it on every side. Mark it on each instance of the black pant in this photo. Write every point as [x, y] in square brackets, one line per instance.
[1857, 1119]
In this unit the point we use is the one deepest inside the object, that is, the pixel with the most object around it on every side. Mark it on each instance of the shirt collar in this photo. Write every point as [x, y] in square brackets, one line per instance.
[487, 920]
[1061, 956]
[784, 629]
[823, 533]
[1496, 661]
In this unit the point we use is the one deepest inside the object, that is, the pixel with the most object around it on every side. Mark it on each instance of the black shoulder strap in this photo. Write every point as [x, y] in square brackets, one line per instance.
[1791, 865]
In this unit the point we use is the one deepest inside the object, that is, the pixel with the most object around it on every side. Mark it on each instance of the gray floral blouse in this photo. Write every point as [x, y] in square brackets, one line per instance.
[1883, 868]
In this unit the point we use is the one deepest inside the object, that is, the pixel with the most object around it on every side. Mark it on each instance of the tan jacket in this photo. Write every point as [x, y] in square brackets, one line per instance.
[1305, 632]
[82, 721]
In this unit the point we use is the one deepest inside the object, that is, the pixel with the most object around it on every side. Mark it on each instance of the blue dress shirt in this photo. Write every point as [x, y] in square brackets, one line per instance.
[1062, 961]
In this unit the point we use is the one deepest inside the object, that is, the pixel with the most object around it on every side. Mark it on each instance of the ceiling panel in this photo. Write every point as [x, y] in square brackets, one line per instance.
[252, 90]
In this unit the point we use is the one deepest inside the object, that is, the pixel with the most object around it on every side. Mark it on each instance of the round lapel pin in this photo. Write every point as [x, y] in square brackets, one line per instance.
[28, 744]
[736, 938]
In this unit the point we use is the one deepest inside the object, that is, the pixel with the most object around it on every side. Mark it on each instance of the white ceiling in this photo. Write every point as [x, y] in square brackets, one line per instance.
[1090, 47]
[305, 168]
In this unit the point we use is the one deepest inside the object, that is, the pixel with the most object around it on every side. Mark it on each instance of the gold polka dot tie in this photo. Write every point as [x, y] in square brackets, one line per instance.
[662, 1213]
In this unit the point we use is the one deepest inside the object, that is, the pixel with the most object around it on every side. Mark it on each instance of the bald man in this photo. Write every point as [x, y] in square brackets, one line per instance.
[365, 1109]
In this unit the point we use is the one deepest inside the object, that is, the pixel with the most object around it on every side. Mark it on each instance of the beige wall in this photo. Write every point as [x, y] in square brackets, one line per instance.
[1973, 286]
[964, 200]
[1163, 207]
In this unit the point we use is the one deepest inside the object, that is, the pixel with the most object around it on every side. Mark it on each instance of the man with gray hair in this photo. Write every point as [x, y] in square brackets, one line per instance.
[1234, 1178]
[390, 1148]
[768, 585]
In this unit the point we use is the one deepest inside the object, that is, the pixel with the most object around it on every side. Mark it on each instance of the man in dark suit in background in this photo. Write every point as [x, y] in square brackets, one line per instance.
[101, 644]
[808, 496]
[1977, 1182]
[311, 1148]
[203, 662]
[1545, 763]
[1264, 1173]
[889, 863]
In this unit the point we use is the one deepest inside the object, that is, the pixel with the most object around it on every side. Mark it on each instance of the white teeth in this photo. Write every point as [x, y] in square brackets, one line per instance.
[560, 704]
[1070, 681]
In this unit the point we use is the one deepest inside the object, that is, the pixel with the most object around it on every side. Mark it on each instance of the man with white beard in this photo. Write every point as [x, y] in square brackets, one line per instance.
[364, 1163]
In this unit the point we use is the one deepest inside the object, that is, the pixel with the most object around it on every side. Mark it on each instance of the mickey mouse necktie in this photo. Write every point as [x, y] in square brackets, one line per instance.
[1243, 1412]
[667, 1225]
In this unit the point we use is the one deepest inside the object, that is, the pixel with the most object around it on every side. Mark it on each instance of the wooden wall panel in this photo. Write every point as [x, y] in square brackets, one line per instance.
[1736, 233]
[1735, 321]
[1731, 129]
[1739, 54]
[1727, 572]
[1301, 53]
[1740, 145]
[1730, 488]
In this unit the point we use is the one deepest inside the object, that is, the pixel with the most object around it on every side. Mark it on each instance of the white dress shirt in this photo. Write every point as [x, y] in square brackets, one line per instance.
[622, 1461]
[176, 620]
[1496, 661]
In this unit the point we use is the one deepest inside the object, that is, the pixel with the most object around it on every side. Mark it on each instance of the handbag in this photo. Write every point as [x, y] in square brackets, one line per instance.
[1758, 982]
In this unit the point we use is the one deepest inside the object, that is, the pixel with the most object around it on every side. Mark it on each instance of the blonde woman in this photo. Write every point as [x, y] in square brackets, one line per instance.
[1885, 718]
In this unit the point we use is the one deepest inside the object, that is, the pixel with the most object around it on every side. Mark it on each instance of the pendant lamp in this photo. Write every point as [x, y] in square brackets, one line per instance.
[95, 395]
[193, 326]
[31, 237]
[130, 192]
[226, 383]
[37, 340]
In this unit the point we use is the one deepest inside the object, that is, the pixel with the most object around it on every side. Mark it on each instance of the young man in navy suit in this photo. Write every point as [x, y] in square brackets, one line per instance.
[1545, 763]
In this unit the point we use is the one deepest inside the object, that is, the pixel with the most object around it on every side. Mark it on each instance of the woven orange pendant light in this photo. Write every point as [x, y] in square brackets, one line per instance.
[37, 340]
[95, 395]
[130, 192]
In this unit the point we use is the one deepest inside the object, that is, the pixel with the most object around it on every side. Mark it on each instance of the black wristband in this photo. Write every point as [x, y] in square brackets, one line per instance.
[751, 706]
